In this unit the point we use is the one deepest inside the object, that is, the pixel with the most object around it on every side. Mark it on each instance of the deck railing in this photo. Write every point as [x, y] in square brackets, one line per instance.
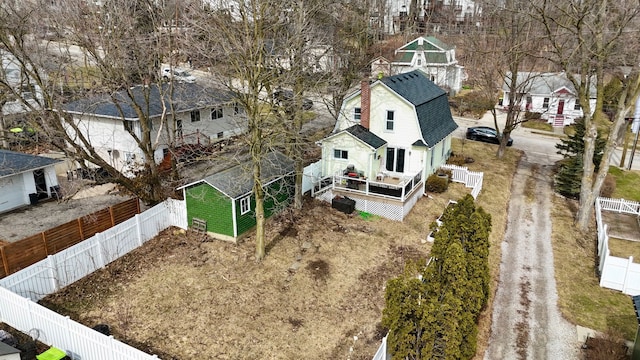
[400, 191]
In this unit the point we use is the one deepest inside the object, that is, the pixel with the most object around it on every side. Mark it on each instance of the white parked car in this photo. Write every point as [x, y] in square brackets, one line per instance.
[178, 75]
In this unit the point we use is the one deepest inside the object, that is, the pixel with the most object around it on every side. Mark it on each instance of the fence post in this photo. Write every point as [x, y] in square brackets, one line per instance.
[138, 229]
[101, 256]
[4, 261]
[626, 275]
[53, 272]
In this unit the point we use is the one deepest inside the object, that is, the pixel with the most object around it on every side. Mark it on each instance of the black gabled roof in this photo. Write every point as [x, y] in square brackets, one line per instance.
[186, 97]
[366, 136]
[12, 162]
[238, 180]
[430, 101]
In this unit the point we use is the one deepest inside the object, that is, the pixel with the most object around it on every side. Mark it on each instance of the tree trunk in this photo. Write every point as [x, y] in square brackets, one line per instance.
[3, 131]
[259, 196]
[587, 197]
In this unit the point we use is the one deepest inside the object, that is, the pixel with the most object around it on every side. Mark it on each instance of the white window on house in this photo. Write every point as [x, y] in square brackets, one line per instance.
[340, 154]
[129, 125]
[419, 62]
[433, 78]
[195, 115]
[245, 205]
[216, 113]
[390, 117]
[395, 159]
[220, 135]
[179, 128]
[236, 109]
[577, 106]
[545, 103]
[442, 153]
[129, 157]
[357, 113]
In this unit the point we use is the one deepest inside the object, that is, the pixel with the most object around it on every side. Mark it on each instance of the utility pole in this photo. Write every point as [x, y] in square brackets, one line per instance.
[635, 126]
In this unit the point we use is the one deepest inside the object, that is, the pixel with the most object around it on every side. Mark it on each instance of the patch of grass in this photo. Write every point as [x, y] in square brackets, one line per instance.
[368, 216]
[624, 248]
[626, 184]
[537, 125]
[580, 297]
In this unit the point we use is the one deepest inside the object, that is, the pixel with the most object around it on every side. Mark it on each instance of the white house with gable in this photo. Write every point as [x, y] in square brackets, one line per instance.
[550, 94]
[390, 136]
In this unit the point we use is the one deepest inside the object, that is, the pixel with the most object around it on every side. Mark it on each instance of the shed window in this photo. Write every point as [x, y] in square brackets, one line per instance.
[340, 154]
[195, 115]
[245, 205]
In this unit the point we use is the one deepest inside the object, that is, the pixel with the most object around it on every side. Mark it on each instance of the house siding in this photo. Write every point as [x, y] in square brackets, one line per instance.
[279, 196]
[360, 155]
[207, 203]
[108, 134]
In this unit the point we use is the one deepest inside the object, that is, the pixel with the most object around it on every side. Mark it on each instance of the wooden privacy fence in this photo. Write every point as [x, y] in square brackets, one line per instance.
[22, 253]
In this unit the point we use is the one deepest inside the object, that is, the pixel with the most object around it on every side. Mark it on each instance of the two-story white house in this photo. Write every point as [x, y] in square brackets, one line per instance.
[188, 114]
[550, 94]
[23, 93]
[390, 136]
[428, 54]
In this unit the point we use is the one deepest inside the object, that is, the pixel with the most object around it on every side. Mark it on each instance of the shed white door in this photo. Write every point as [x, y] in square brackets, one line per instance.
[11, 193]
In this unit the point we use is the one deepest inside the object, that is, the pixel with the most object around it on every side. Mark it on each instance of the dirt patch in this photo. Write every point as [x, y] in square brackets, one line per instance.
[30, 220]
[318, 294]
[622, 226]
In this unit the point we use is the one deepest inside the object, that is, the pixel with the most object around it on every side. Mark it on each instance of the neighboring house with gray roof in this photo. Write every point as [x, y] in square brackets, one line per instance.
[430, 55]
[223, 204]
[25, 178]
[550, 94]
[195, 114]
[390, 136]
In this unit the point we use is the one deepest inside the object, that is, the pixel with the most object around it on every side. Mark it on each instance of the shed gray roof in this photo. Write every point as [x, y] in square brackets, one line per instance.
[366, 136]
[238, 180]
[536, 83]
[7, 349]
[185, 97]
[12, 162]
[636, 306]
[430, 101]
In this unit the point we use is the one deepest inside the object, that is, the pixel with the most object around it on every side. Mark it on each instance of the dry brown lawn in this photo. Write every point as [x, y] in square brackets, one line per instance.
[580, 297]
[318, 294]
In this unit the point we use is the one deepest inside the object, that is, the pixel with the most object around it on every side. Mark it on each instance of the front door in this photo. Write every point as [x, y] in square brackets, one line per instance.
[560, 107]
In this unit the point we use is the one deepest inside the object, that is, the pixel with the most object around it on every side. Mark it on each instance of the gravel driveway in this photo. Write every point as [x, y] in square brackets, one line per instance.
[526, 322]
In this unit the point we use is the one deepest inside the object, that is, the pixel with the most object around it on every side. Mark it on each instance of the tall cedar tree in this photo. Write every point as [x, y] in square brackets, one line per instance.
[439, 319]
[569, 177]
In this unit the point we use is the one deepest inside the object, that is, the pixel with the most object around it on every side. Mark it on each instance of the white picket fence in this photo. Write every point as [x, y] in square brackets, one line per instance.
[470, 179]
[382, 353]
[616, 273]
[18, 291]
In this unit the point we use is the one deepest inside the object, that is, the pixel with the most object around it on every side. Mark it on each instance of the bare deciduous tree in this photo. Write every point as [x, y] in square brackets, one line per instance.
[588, 40]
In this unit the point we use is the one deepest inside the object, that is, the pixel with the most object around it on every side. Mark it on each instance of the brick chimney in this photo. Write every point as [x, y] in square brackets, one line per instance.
[365, 103]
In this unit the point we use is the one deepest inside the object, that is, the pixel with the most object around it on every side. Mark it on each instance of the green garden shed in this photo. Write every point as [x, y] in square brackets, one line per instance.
[223, 204]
